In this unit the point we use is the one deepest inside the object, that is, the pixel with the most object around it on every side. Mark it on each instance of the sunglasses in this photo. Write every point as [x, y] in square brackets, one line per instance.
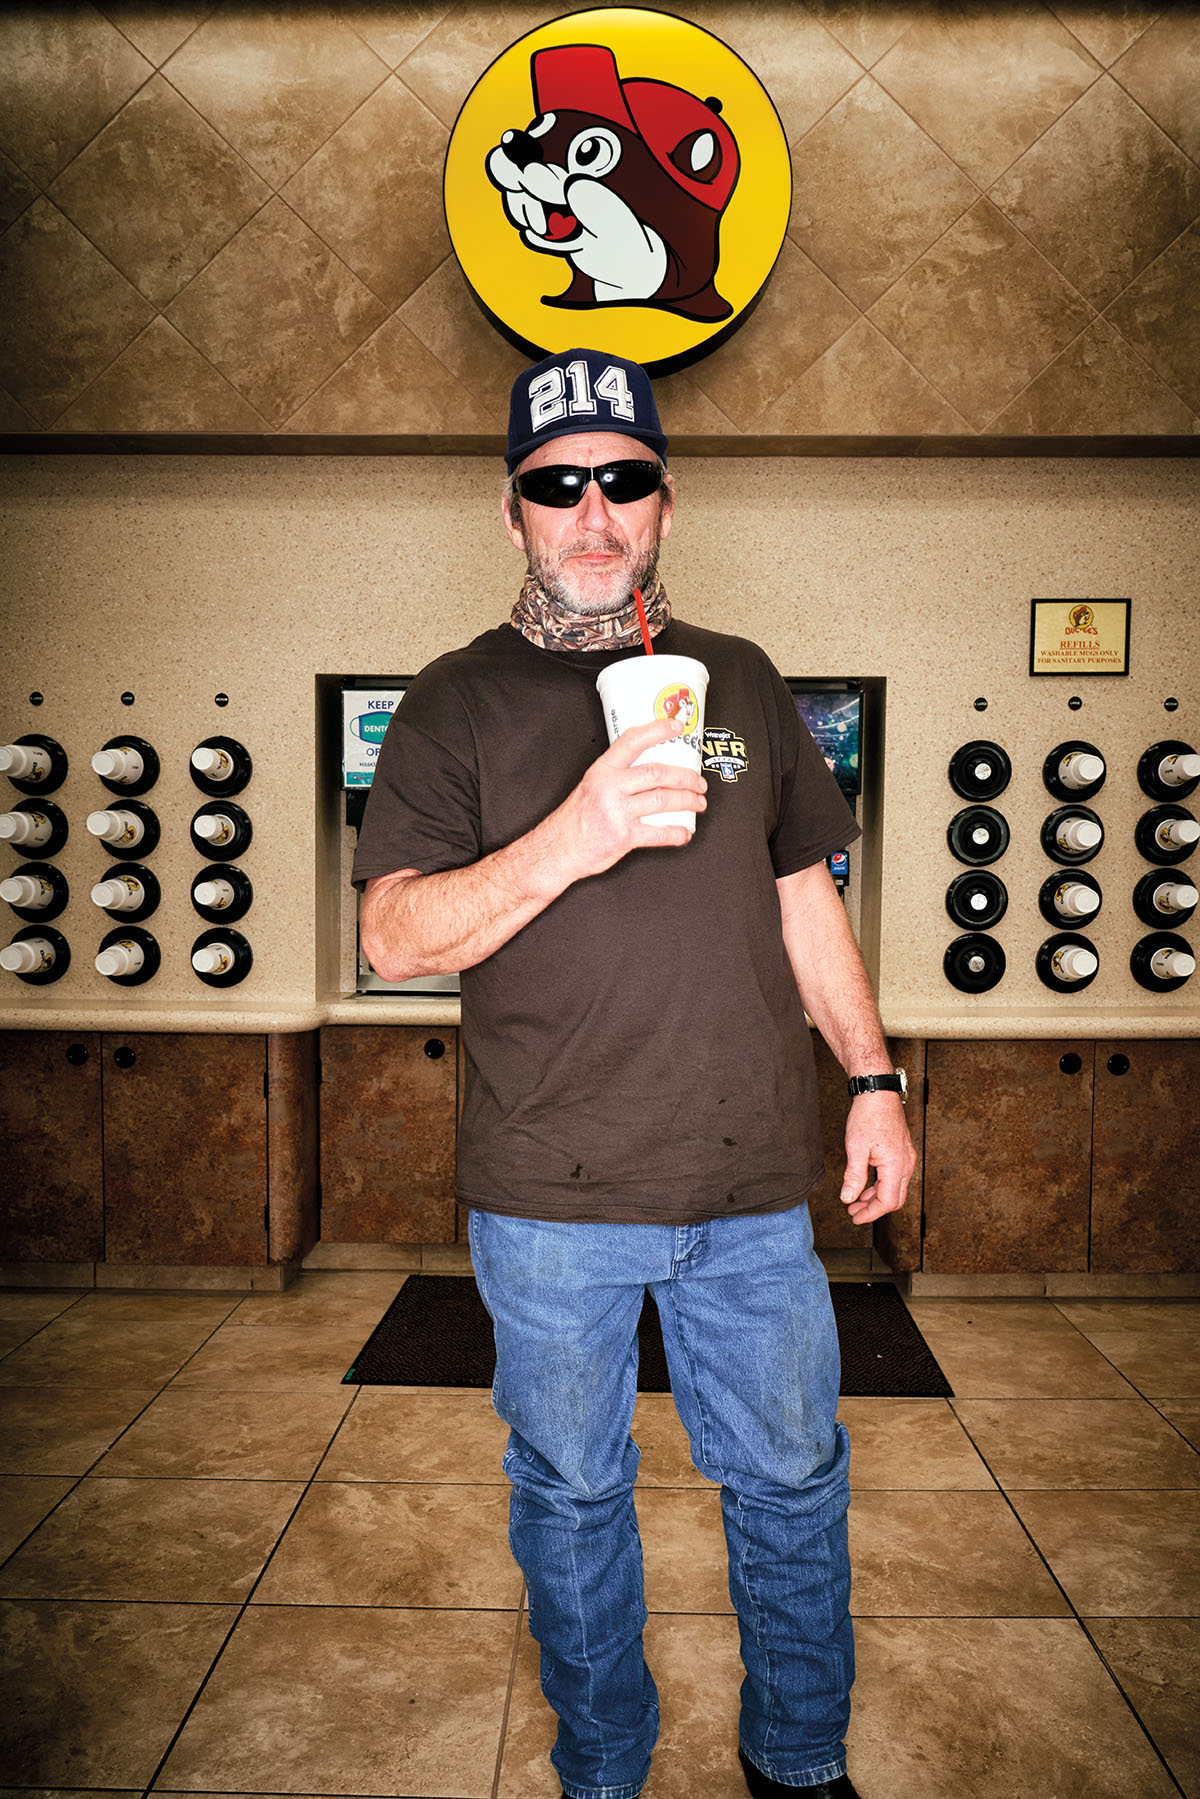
[565, 485]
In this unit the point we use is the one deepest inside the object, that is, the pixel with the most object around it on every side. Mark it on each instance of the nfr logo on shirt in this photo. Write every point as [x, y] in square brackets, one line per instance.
[724, 753]
[662, 201]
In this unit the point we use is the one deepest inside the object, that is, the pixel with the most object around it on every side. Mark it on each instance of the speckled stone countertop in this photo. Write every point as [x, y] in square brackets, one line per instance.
[439, 1009]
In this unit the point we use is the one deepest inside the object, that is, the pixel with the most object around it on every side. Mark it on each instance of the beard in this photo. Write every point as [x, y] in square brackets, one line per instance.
[595, 593]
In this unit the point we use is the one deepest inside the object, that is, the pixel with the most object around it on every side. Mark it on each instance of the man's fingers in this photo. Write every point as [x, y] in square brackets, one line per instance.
[649, 775]
[630, 744]
[854, 1180]
[661, 837]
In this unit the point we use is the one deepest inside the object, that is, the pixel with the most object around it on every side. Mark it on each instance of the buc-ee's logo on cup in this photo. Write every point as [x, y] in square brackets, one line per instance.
[626, 166]
[678, 703]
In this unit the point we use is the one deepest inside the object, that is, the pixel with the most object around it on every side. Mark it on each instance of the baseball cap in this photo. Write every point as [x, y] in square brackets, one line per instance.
[577, 391]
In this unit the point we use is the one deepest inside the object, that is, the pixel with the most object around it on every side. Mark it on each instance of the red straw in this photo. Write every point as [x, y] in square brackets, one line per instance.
[641, 612]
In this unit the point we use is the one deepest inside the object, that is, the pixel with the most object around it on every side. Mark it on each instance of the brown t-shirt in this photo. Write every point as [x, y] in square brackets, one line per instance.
[637, 1052]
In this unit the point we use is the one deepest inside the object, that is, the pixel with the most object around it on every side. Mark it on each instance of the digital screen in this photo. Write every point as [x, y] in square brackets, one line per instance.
[833, 713]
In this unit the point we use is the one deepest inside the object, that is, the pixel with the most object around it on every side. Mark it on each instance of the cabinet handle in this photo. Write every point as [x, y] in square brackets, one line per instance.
[434, 1047]
[1118, 1065]
[1071, 1064]
[77, 1054]
[125, 1057]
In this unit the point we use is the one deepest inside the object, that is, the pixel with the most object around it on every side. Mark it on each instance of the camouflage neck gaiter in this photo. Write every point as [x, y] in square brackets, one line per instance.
[551, 627]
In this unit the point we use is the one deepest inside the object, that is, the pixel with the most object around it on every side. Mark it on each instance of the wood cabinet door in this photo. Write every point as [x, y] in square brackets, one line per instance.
[51, 1178]
[387, 1134]
[1008, 1137]
[185, 1149]
[1145, 1173]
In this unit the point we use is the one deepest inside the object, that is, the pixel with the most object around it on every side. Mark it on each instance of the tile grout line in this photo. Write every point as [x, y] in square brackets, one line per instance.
[1075, 1614]
[508, 1693]
[244, 1606]
[79, 1479]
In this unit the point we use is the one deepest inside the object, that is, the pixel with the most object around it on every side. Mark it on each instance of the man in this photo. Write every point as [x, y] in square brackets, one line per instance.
[640, 1102]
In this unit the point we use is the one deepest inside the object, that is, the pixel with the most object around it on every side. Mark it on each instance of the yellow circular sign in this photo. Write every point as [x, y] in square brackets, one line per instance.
[618, 177]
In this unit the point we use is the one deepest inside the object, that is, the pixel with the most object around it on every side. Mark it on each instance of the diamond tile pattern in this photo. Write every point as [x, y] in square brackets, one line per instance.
[390, 230]
[66, 71]
[311, 311]
[1162, 72]
[226, 219]
[1059, 196]
[980, 314]
[157, 31]
[985, 81]
[871, 191]
[68, 312]
[1159, 316]
[275, 83]
[159, 192]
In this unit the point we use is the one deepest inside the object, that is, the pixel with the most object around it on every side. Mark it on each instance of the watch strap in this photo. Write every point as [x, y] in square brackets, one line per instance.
[875, 1083]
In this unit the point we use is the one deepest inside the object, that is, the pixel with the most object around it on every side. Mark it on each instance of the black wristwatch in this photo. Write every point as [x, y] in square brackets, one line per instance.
[880, 1083]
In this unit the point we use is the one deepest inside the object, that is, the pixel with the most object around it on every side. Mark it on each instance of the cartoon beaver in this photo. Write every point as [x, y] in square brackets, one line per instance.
[681, 705]
[626, 180]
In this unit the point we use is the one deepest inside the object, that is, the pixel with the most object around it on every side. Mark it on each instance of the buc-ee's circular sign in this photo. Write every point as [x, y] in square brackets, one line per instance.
[618, 177]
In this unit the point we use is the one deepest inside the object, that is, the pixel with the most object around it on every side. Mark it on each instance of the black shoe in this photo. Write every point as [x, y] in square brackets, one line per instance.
[761, 1786]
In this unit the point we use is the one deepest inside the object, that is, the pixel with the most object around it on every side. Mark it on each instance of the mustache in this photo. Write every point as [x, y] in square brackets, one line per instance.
[588, 546]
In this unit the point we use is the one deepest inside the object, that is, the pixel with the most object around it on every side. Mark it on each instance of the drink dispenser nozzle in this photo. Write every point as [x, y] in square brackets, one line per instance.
[128, 956]
[1073, 834]
[216, 764]
[117, 827]
[1160, 899]
[120, 893]
[1067, 962]
[34, 764]
[1179, 771]
[1177, 833]
[1168, 770]
[24, 762]
[222, 957]
[124, 958]
[220, 766]
[37, 827]
[1162, 962]
[37, 955]
[30, 956]
[1074, 770]
[124, 766]
[31, 891]
[1075, 901]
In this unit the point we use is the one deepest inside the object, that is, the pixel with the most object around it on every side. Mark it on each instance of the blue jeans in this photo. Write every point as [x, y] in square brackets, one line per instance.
[752, 1349]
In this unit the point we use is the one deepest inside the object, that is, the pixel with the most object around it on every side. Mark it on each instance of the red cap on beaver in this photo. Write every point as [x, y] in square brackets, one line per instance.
[686, 136]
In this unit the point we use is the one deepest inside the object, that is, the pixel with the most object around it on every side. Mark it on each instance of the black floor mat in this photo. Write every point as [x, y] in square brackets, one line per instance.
[436, 1333]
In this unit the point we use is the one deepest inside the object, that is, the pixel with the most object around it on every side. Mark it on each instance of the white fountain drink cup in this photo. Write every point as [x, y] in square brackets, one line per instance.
[641, 688]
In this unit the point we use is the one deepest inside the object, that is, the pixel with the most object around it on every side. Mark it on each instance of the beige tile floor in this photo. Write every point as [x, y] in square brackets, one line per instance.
[229, 1574]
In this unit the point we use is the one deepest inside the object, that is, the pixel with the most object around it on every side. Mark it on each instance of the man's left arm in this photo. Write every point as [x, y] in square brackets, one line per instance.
[837, 996]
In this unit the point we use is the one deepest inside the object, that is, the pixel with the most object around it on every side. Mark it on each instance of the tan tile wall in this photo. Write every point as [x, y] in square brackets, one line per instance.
[227, 221]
